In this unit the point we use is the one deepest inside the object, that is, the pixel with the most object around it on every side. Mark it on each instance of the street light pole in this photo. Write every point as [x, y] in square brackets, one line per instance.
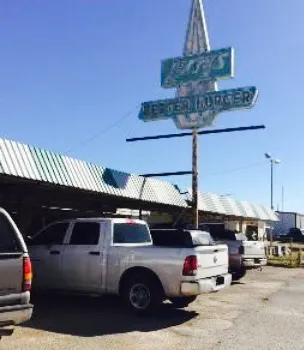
[271, 182]
[272, 162]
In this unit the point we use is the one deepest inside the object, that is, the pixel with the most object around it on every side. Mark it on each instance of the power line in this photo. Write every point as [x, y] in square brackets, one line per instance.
[244, 167]
[112, 126]
[102, 131]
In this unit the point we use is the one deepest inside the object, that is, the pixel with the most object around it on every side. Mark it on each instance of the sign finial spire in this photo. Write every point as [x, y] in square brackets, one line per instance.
[196, 41]
[197, 38]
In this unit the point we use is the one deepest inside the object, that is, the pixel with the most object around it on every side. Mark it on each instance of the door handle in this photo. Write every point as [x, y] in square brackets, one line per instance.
[54, 252]
[94, 253]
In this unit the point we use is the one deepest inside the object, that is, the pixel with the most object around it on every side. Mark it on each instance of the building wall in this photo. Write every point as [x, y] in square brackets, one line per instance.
[300, 221]
[232, 225]
[262, 230]
[241, 226]
[156, 218]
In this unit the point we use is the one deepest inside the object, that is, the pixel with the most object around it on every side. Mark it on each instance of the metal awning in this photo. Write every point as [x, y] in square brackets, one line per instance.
[214, 203]
[37, 165]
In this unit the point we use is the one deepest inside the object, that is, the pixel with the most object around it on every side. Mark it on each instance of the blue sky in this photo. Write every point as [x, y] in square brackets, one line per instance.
[72, 70]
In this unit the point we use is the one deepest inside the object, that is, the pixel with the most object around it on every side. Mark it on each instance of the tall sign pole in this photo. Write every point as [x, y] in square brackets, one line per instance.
[195, 213]
[196, 42]
[197, 102]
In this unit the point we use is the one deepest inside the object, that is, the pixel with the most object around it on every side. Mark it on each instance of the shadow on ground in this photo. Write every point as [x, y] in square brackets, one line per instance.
[236, 283]
[88, 317]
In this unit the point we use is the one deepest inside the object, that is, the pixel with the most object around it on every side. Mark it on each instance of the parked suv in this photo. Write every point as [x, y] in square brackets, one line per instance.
[15, 276]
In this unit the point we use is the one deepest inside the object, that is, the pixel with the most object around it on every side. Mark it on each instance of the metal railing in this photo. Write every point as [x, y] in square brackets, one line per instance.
[289, 254]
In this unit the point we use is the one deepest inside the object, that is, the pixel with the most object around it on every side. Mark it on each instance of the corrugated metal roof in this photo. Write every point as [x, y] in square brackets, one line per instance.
[36, 164]
[213, 203]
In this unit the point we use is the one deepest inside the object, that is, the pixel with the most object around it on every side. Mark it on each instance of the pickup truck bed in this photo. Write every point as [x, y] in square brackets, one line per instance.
[212, 259]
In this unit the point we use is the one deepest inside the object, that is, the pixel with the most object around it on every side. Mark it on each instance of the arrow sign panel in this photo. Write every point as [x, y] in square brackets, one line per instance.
[211, 103]
[217, 64]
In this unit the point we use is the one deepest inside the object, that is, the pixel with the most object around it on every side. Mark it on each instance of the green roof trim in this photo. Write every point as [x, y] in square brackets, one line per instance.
[32, 163]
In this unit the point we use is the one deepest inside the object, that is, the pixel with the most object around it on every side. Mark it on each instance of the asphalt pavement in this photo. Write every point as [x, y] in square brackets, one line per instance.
[278, 324]
[265, 310]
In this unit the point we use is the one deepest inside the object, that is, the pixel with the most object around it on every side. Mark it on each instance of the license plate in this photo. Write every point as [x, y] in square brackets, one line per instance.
[256, 261]
[220, 280]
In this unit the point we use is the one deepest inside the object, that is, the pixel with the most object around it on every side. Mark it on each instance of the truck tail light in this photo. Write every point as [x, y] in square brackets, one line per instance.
[27, 274]
[130, 222]
[190, 266]
[241, 250]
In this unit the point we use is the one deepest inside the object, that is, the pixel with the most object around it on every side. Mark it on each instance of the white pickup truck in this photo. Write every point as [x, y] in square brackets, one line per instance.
[117, 256]
[254, 255]
[251, 254]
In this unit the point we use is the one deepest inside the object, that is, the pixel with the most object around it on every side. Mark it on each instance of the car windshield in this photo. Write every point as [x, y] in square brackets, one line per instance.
[131, 233]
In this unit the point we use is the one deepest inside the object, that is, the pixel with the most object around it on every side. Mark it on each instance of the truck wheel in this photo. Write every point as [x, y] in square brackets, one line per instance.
[182, 302]
[238, 274]
[142, 294]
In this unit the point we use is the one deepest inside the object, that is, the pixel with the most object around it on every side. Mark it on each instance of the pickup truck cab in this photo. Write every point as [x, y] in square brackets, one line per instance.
[117, 256]
[15, 276]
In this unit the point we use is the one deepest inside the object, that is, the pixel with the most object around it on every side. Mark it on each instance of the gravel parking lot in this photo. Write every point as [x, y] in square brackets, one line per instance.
[265, 310]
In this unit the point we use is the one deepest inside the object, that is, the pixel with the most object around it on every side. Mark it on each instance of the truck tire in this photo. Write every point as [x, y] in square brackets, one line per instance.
[142, 294]
[238, 274]
[181, 302]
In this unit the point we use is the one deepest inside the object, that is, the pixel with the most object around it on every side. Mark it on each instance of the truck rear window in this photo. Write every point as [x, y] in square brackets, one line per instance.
[9, 242]
[202, 238]
[180, 238]
[172, 238]
[131, 233]
[223, 234]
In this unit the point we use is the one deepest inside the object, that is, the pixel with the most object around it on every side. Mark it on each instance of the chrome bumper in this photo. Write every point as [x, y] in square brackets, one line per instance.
[258, 262]
[207, 285]
[13, 315]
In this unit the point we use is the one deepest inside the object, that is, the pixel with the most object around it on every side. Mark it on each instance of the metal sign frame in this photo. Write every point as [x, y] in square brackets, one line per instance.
[216, 64]
[205, 106]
